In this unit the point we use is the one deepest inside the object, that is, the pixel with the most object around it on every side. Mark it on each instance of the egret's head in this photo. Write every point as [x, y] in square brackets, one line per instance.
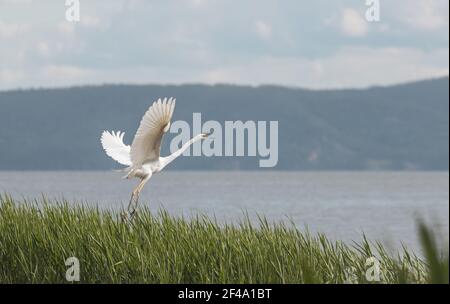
[205, 135]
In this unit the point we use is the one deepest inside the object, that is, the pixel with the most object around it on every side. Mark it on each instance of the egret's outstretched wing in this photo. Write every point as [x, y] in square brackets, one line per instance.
[115, 148]
[147, 141]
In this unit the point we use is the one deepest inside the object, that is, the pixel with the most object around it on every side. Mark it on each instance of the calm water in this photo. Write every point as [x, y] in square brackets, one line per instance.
[342, 205]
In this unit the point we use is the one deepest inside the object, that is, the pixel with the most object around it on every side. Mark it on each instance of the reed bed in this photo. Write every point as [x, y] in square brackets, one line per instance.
[36, 238]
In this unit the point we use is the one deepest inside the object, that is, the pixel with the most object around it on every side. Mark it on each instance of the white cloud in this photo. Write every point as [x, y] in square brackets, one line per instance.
[352, 23]
[213, 41]
[349, 67]
[91, 21]
[427, 15]
[43, 49]
[10, 77]
[16, 1]
[263, 29]
[64, 72]
[66, 28]
[10, 30]
[197, 2]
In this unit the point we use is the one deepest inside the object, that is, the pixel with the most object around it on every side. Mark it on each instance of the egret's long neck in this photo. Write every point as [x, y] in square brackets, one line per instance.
[167, 160]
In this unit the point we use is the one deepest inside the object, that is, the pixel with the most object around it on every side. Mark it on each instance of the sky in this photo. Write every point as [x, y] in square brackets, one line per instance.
[298, 43]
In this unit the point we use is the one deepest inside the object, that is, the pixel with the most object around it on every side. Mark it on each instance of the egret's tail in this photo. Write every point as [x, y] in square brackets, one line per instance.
[126, 169]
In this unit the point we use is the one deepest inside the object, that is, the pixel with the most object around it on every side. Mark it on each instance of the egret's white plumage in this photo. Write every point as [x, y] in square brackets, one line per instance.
[115, 148]
[146, 144]
[143, 157]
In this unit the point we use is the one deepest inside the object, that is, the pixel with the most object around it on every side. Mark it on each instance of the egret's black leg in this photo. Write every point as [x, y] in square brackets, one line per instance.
[132, 207]
[131, 202]
[135, 205]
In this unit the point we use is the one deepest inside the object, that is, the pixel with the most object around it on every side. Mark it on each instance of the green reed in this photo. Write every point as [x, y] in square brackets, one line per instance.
[37, 237]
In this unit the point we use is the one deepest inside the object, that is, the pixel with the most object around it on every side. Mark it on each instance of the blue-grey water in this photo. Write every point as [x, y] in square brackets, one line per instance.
[383, 205]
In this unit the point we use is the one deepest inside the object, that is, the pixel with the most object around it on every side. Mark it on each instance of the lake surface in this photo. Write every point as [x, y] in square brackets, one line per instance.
[383, 205]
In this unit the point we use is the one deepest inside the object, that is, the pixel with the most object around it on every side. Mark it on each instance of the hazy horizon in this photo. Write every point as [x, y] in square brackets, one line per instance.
[87, 85]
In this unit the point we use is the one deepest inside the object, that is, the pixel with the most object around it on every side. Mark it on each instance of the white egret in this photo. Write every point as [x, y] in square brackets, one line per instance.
[143, 157]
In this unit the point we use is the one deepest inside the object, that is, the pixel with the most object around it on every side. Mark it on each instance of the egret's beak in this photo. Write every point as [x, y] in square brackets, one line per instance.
[205, 135]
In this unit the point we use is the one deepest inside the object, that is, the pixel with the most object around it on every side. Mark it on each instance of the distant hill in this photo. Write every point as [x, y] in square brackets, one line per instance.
[402, 127]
